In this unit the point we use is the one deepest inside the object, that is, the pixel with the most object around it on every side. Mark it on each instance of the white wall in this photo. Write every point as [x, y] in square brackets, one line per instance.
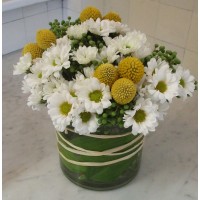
[172, 23]
[73, 7]
[20, 25]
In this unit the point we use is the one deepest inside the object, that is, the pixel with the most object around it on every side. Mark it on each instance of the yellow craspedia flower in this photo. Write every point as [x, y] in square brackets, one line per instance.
[45, 38]
[33, 49]
[131, 68]
[90, 12]
[123, 91]
[106, 73]
[112, 16]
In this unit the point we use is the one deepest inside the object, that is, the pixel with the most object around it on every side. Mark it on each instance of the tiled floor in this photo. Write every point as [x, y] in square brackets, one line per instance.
[30, 159]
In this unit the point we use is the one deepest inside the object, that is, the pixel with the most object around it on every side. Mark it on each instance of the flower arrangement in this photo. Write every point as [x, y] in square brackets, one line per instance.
[98, 72]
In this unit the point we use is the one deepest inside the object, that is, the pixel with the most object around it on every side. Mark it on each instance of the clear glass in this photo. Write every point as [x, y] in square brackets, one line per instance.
[100, 177]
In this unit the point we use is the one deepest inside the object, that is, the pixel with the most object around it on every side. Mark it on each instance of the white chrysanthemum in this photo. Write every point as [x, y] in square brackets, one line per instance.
[77, 31]
[152, 65]
[142, 87]
[37, 78]
[95, 95]
[26, 88]
[143, 51]
[34, 100]
[186, 82]
[84, 122]
[23, 65]
[120, 28]
[79, 77]
[143, 118]
[61, 109]
[70, 89]
[164, 84]
[63, 41]
[88, 72]
[85, 55]
[56, 58]
[100, 27]
[129, 43]
[53, 85]
[162, 110]
[108, 54]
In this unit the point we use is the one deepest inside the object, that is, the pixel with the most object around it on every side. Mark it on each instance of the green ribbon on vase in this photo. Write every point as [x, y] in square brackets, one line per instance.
[101, 158]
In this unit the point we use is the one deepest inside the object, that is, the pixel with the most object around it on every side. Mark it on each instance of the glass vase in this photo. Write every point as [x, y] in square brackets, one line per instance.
[106, 160]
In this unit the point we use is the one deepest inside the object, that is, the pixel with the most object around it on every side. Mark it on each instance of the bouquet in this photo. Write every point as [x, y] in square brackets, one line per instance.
[94, 73]
[97, 72]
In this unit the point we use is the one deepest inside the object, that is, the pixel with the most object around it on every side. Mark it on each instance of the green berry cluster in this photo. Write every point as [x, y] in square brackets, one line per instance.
[87, 40]
[60, 28]
[113, 116]
[163, 54]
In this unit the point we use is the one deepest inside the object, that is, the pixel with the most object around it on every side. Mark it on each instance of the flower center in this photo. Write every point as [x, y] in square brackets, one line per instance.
[54, 63]
[40, 75]
[161, 86]
[139, 116]
[85, 116]
[65, 108]
[182, 83]
[96, 96]
[73, 94]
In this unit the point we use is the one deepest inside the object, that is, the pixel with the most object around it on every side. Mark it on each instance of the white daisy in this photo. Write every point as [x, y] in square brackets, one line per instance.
[23, 65]
[63, 41]
[34, 100]
[129, 43]
[152, 65]
[53, 85]
[69, 87]
[85, 55]
[142, 87]
[100, 27]
[164, 84]
[88, 72]
[162, 110]
[26, 88]
[186, 82]
[61, 109]
[77, 31]
[56, 58]
[37, 78]
[120, 28]
[108, 54]
[143, 117]
[84, 122]
[143, 51]
[95, 95]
